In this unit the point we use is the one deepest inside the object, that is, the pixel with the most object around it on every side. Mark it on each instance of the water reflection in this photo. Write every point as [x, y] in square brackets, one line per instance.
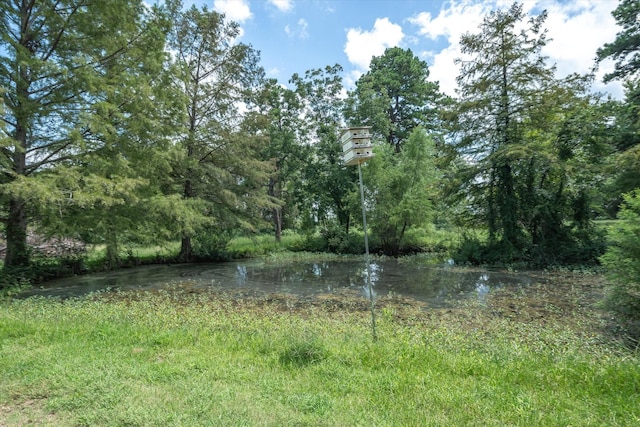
[482, 287]
[438, 286]
[367, 288]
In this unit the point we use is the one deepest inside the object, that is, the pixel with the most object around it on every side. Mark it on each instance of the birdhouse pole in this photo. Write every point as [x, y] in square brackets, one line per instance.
[357, 149]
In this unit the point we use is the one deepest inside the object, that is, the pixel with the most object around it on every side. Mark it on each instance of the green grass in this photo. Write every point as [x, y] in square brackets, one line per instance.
[96, 254]
[263, 244]
[189, 359]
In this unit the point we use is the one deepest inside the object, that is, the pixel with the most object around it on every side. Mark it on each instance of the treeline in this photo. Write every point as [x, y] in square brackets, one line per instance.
[124, 123]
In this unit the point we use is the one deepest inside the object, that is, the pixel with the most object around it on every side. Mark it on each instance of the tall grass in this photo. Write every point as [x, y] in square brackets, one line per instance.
[172, 358]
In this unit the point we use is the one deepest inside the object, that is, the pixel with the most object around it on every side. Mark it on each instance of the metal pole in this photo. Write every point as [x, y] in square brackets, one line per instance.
[366, 250]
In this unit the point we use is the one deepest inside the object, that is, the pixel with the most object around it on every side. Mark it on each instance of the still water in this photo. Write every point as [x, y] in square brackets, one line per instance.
[439, 286]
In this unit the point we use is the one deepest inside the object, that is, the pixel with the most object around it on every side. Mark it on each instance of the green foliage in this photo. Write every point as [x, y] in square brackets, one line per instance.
[401, 186]
[622, 261]
[470, 250]
[395, 96]
[622, 165]
[327, 185]
[217, 164]
[335, 239]
[625, 49]
[282, 109]
[70, 72]
[499, 83]
[41, 269]
[210, 244]
[139, 125]
[535, 153]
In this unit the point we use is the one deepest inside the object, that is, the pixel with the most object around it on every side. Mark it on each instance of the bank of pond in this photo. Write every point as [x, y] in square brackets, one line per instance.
[269, 342]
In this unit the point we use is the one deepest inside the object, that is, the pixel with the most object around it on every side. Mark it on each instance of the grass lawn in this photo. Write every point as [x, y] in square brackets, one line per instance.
[534, 357]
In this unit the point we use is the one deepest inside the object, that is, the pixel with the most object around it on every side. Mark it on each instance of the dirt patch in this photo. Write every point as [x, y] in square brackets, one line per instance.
[29, 412]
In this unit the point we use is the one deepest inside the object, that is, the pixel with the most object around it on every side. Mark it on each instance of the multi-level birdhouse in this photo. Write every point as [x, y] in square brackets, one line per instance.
[356, 145]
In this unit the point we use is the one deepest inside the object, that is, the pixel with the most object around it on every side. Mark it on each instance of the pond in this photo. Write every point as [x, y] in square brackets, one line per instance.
[435, 285]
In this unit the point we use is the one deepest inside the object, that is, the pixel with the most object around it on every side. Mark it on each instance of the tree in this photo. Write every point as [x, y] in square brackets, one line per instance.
[217, 169]
[401, 186]
[61, 61]
[327, 182]
[283, 109]
[499, 85]
[560, 177]
[529, 140]
[394, 97]
[625, 49]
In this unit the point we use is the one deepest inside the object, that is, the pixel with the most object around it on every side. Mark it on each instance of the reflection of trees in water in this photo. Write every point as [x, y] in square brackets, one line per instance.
[241, 274]
[482, 287]
[436, 285]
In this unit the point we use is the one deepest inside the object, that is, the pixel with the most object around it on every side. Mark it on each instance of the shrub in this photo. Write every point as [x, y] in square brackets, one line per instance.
[211, 244]
[622, 263]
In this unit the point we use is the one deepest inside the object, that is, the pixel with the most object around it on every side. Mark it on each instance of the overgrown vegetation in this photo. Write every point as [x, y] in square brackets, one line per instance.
[144, 156]
[622, 261]
[538, 356]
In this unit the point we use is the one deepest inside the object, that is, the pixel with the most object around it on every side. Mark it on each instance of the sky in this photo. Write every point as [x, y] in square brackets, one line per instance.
[294, 36]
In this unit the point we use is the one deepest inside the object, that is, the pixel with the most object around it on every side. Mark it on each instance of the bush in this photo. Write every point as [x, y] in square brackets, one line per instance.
[211, 244]
[331, 238]
[622, 262]
[337, 239]
[470, 251]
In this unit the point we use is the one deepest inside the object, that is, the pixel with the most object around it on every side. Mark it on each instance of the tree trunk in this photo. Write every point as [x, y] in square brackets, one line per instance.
[277, 220]
[113, 257]
[17, 254]
[508, 206]
[186, 249]
[343, 214]
[491, 207]
[277, 211]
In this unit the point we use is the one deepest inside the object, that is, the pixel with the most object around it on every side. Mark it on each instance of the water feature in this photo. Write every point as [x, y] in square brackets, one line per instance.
[438, 286]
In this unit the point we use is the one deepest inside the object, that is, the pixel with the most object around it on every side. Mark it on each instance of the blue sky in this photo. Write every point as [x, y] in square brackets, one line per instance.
[294, 36]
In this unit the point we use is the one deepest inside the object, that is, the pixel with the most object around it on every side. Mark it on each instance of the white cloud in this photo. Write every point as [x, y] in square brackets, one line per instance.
[362, 45]
[282, 5]
[451, 23]
[577, 28]
[234, 10]
[273, 72]
[299, 31]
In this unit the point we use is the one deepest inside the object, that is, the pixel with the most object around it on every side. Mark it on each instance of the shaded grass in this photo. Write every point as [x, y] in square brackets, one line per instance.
[263, 244]
[188, 358]
[133, 254]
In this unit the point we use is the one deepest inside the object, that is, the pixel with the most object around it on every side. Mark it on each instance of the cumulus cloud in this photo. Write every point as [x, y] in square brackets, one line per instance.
[362, 45]
[450, 23]
[577, 28]
[234, 10]
[282, 5]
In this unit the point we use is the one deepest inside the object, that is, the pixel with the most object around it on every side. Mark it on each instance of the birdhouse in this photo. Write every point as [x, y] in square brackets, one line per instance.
[356, 145]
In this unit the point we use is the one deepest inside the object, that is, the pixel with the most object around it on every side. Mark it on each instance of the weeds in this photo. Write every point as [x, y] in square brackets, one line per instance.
[188, 358]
